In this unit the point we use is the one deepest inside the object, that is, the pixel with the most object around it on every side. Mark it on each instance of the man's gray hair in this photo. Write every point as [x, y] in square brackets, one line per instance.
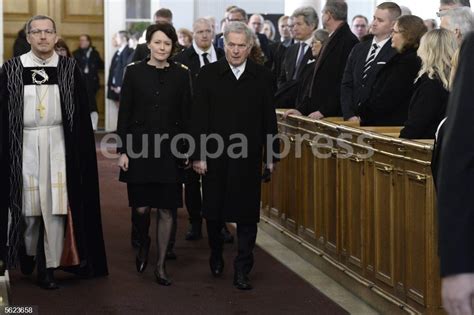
[202, 21]
[337, 8]
[460, 18]
[37, 18]
[309, 15]
[240, 28]
[461, 3]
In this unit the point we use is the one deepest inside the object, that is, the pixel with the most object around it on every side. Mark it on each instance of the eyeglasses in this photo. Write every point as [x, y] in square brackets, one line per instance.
[38, 32]
[238, 46]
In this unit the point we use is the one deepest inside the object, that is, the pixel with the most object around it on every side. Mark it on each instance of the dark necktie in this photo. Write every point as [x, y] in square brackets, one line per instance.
[369, 62]
[204, 57]
[299, 60]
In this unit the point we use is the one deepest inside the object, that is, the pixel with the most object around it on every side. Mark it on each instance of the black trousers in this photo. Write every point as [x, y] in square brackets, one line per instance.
[246, 238]
[192, 196]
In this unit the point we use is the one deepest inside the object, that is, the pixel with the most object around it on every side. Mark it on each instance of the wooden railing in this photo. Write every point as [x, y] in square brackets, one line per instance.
[371, 212]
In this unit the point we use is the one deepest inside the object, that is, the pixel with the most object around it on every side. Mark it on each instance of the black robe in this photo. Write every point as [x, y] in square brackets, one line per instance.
[226, 106]
[81, 166]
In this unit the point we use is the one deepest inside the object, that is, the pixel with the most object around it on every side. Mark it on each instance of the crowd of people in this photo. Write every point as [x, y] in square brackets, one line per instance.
[396, 70]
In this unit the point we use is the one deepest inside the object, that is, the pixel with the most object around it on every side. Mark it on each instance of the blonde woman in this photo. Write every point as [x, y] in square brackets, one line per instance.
[428, 104]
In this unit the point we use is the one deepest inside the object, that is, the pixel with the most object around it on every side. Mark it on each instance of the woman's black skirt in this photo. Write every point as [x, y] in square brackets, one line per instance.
[155, 195]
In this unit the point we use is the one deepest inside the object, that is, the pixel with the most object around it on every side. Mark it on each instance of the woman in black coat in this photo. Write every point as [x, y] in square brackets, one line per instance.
[428, 104]
[153, 110]
[393, 86]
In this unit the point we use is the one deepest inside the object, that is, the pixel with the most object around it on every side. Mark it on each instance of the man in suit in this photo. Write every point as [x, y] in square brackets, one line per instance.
[455, 191]
[233, 96]
[366, 59]
[163, 15]
[120, 60]
[297, 57]
[201, 53]
[322, 98]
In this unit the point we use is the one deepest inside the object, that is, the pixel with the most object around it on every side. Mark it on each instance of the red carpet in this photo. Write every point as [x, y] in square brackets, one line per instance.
[194, 291]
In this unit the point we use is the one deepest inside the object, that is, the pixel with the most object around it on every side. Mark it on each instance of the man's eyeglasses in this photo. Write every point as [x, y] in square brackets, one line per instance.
[38, 32]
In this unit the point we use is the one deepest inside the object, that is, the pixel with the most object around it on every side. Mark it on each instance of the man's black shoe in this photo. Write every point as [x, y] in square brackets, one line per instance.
[241, 281]
[216, 263]
[46, 280]
[170, 254]
[193, 236]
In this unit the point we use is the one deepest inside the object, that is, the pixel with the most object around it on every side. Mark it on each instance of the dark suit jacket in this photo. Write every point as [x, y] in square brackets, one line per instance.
[325, 93]
[426, 110]
[353, 90]
[287, 92]
[456, 172]
[190, 58]
[116, 71]
[391, 92]
[227, 107]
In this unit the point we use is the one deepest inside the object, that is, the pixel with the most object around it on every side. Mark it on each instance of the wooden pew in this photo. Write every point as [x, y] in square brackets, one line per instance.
[364, 200]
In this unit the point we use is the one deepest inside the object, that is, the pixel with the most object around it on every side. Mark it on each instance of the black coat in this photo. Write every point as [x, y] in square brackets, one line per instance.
[116, 71]
[190, 58]
[324, 94]
[81, 165]
[390, 95]
[456, 172]
[355, 90]
[426, 110]
[94, 63]
[287, 92]
[154, 102]
[226, 106]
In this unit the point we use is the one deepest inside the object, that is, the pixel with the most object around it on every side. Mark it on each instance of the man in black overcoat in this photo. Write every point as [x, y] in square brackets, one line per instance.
[233, 101]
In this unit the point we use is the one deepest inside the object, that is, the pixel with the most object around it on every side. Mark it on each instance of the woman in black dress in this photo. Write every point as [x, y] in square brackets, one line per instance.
[153, 110]
[428, 104]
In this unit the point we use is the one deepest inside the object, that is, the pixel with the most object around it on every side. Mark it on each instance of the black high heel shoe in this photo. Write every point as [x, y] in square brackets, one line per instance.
[141, 261]
[162, 280]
